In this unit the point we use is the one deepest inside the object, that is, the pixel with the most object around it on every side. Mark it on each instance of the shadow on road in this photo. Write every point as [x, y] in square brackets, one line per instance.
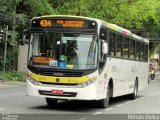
[81, 106]
[77, 106]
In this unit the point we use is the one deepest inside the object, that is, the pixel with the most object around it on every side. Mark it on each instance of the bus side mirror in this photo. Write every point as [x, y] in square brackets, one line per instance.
[25, 36]
[104, 48]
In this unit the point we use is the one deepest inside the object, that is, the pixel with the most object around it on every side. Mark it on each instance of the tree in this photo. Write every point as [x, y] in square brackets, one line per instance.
[135, 15]
[16, 14]
[131, 14]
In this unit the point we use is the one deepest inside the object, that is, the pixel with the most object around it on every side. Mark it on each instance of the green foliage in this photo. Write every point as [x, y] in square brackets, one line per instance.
[36, 7]
[131, 14]
[16, 14]
[156, 50]
[142, 17]
[11, 75]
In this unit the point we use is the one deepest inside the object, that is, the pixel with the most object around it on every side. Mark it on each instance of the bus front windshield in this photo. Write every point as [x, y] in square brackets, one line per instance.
[63, 50]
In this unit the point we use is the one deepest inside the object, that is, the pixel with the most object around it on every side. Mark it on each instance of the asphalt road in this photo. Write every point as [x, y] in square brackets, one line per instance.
[13, 101]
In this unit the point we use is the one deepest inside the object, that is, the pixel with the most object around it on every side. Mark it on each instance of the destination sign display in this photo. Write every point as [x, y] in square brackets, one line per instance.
[64, 23]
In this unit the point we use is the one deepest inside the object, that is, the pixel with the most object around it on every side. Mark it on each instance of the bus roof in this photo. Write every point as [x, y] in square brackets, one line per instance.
[108, 25]
[71, 16]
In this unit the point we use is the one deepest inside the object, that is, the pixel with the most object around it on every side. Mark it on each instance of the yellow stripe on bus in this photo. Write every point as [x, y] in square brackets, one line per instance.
[53, 79]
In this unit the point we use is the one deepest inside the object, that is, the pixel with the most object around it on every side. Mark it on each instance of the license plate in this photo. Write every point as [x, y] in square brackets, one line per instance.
[57, 92]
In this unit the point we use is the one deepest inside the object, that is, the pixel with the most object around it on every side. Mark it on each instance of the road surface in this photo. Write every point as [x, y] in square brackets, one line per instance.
[13, 101]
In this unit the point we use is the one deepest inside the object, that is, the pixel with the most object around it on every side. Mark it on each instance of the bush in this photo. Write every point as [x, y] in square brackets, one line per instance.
[11, 75]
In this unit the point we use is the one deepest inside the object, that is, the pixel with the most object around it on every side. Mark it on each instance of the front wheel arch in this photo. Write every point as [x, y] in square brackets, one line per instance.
[103, 103]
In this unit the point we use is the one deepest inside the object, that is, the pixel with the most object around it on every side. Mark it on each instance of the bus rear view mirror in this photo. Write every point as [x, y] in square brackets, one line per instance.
[105, 48]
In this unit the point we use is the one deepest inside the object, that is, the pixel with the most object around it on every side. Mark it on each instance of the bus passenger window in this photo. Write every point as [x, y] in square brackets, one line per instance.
[137, 51]
[126, 48]
[112, 44]
[142, 51]
[119, 46]
[146, 53]
[132, 49]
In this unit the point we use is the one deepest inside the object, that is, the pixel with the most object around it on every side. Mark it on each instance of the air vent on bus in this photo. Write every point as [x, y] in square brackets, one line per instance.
[59, 74]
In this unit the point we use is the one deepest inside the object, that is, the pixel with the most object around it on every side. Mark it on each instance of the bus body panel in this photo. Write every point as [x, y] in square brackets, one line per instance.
[124, 73]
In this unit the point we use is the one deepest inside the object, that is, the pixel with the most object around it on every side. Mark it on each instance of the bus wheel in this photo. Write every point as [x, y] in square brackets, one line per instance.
[51, 102]
[105, 102]
[133, 95]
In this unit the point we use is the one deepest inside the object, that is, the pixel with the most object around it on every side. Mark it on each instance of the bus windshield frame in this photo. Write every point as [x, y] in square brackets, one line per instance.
[87, 53]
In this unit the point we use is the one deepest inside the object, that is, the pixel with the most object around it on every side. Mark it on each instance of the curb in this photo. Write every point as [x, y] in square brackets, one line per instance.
[11, 84]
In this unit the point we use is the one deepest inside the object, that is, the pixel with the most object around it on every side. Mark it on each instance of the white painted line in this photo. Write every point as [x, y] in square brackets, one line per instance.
[155, 80]
[134, 100]
[119, 105]
[147, 95]
[109, 109]
[97, 113]
[1, 109]
[156, 93]
[128, 102]
[152, 94]
[83, 118]
[141, 98]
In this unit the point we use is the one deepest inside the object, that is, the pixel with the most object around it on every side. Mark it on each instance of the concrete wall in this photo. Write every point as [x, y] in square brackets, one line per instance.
[22, 58]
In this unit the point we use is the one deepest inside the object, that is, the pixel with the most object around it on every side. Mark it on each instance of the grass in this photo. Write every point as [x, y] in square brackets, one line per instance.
[11, 76]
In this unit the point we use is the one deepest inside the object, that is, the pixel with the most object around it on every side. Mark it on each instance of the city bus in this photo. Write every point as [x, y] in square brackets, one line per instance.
[82, 58]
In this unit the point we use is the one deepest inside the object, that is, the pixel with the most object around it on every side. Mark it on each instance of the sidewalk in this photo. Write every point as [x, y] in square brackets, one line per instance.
[6, 84]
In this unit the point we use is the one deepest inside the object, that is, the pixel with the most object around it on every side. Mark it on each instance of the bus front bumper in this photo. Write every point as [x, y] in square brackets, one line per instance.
[86, 93]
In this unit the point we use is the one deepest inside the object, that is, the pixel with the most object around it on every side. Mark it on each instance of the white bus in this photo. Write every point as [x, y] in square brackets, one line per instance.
[82, 58]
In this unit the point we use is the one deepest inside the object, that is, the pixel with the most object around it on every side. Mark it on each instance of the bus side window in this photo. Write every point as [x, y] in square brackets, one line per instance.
[132, 48]
[126, 48]
[112, 44]
[146, 53]
[142, 51]
[137, 51]
[119, 46]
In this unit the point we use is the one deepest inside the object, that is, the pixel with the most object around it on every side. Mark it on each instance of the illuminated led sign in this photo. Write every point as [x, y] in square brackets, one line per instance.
[63, 23]
[71, 23]
[45, 23]
[42, 60]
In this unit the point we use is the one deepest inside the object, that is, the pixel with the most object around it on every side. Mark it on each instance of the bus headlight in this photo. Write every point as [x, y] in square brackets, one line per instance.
[86, 83]
[34, 82]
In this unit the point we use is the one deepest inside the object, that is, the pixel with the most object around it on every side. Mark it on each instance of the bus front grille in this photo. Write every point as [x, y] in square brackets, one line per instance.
[64, 84]
[59, 73]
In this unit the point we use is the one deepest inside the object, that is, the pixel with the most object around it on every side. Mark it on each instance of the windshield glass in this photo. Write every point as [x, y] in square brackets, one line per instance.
[63, 50]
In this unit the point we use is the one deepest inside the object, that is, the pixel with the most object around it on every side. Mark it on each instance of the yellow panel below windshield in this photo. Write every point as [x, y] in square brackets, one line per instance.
[53, 79]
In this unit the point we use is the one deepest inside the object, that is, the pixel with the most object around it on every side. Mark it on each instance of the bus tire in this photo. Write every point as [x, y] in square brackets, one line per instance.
[133, 95]
[51, 102]
[105, 102]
